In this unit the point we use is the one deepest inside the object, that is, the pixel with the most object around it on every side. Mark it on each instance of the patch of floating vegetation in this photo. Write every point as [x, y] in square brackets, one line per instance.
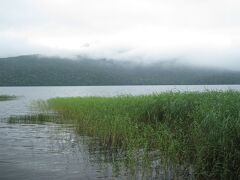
[33, 119]
[7, 97]
[194, 131]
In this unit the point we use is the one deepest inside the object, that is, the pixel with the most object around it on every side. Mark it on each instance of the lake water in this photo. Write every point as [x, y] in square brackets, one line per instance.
[52, 151]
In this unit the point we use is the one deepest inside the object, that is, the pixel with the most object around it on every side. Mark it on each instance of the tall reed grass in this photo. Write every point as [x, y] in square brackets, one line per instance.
[193, 129]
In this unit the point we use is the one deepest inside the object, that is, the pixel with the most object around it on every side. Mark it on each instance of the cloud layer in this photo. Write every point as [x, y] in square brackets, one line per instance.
[200, 32]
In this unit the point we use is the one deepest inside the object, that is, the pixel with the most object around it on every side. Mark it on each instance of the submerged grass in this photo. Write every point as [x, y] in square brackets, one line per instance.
[7, 97]
[197, 130]
[33, 119]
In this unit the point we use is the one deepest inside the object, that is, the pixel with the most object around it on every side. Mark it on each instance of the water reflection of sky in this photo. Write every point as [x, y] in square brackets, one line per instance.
[33, 151]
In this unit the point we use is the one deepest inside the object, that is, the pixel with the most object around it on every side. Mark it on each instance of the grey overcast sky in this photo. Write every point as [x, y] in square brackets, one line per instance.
[205, 32]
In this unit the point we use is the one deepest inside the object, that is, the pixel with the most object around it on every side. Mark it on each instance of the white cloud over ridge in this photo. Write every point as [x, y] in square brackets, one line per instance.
[200, 32]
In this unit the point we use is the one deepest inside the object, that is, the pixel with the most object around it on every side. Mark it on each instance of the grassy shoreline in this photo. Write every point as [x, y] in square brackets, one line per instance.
[200, 130]
[7, 97]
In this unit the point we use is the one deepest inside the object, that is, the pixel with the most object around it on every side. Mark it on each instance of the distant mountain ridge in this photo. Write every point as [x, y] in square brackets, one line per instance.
[34, 70]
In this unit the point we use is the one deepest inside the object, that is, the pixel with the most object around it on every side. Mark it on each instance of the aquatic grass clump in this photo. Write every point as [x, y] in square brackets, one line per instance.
[33, 119]
[200, 131]
[7, 97]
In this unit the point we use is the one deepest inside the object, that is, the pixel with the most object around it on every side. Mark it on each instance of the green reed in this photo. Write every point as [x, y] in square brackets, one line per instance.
[197, 130]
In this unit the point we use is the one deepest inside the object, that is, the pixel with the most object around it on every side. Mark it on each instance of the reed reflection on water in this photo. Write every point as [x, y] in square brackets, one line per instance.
[57, 151]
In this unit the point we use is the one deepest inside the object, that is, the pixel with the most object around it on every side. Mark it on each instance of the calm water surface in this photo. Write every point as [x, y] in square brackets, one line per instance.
[51, 151]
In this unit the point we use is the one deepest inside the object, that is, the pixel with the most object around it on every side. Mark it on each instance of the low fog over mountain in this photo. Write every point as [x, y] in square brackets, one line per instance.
[34, 70]
[200, 33]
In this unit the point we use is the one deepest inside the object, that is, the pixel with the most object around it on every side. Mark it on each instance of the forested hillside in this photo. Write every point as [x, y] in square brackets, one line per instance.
[36, 70]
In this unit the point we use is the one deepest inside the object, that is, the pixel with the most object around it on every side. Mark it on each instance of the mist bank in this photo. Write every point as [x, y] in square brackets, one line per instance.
[35, 70]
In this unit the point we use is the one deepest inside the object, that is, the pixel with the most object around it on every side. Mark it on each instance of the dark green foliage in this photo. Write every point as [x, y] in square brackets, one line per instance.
[196, 130]
[45, 71]
[7, 97]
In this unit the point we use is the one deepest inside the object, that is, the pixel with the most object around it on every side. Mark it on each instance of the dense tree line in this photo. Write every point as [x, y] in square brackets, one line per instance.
[36, 70]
